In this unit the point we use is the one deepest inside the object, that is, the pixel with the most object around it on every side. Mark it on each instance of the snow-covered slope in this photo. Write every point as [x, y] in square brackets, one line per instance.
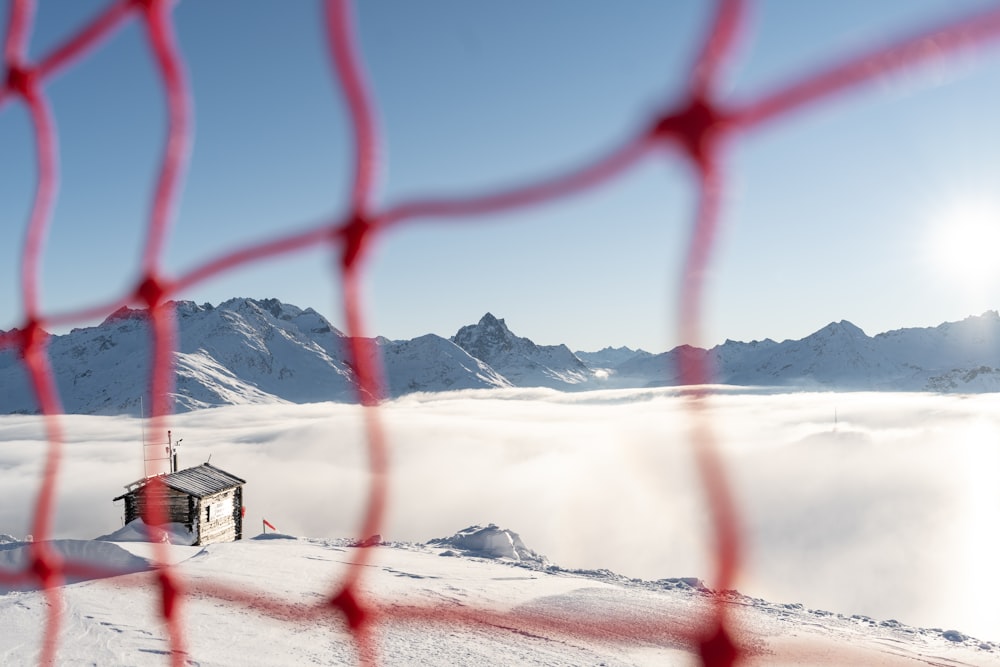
[243, 351]
[660, 370]
[282, 351]
[248, 351]
[433, 363]
[476, 611]
[955, 356]
[839, 354]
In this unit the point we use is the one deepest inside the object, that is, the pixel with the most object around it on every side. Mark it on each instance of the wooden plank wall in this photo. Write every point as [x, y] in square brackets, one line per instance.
[177, 507]
[219, 517]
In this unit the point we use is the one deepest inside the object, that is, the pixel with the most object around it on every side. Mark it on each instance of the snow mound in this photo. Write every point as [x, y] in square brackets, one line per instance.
[107, 560]
[489, 542]
[138, 531]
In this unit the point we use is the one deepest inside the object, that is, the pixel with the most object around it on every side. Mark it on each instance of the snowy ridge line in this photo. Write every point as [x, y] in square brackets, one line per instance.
[250, 351]
[695, 126]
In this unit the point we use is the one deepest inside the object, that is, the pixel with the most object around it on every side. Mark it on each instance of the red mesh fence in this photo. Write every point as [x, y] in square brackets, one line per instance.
[697, 128]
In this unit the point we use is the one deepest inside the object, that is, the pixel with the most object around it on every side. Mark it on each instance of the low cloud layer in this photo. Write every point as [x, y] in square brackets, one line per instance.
[877, 504]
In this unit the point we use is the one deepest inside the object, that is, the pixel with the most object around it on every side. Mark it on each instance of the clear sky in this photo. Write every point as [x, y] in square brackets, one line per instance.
[835, 212]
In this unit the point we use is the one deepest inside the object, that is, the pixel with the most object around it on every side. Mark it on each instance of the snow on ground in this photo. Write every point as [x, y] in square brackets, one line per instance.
[15, 557]
[137, 531]
[174, 541]
[113, 621]
[857, 503]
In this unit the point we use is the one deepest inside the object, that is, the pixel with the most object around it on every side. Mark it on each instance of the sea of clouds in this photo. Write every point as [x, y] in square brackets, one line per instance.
[880, 504]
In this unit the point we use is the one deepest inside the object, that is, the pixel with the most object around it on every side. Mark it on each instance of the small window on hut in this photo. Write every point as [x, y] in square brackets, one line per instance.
[208, 513]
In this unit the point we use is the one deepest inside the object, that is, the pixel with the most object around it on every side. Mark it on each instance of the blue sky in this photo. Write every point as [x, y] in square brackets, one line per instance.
[832, 213]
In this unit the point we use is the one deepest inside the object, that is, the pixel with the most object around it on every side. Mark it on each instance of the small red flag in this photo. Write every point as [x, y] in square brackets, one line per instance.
[269, 524]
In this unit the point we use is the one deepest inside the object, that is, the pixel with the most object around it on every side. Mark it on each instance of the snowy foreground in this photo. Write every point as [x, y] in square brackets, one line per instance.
[113, 621]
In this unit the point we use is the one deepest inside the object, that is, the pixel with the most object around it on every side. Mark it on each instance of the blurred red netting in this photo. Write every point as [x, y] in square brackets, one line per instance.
[698, 128]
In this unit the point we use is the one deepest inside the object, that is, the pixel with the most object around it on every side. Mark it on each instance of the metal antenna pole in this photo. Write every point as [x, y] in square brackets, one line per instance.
[142, 427]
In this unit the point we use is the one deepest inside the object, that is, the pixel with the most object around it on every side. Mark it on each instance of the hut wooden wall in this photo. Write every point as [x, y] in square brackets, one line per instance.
[220, 518]
[178, 507]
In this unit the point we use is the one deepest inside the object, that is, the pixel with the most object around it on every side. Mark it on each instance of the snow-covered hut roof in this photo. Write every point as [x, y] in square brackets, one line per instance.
[199, 481]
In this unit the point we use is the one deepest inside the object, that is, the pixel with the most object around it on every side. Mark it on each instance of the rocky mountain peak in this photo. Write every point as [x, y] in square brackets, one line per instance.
[490, 323]
[278, 309]
[487, 338]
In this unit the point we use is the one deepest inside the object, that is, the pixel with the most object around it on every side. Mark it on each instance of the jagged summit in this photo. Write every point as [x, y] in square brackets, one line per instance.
[489, 336]
[280, 310]
[841, 328]
[490, 320]
[519, 359]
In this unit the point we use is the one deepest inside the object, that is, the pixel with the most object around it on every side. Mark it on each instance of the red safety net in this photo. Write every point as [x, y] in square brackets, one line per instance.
[697, 128]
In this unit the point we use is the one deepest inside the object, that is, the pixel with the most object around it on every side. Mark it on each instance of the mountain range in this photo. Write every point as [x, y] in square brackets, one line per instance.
[247, 351]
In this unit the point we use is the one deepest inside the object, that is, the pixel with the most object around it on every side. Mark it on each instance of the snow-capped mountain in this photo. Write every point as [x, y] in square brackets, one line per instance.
[433, 363]
[243, 351]
[952, 357]
[247, 351]
[521, 361]
[839, 355]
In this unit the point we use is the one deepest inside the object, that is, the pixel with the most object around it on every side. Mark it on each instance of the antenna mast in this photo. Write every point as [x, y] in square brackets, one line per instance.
[152, 464]
[142, 428]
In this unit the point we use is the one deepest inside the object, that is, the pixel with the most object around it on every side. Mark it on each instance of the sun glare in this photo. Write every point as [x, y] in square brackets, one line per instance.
[964, 245]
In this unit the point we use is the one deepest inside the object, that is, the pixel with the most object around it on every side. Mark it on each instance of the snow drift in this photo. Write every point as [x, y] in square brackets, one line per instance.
[489, 542]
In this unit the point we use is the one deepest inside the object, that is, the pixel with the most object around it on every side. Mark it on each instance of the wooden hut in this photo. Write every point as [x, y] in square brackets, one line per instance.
[206, 499]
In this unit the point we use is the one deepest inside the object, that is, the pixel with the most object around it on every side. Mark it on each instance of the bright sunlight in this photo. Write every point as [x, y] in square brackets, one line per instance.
[965, 243]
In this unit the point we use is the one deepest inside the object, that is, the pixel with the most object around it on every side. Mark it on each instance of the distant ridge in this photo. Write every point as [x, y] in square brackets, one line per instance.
[247, 351]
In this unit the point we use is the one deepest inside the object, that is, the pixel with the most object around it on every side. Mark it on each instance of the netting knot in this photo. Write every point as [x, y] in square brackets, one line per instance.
[696, 127]
[718, 649]
[45, 565]
[20, 80]
[150, 291]
[31, 337]
[354, 233]
[348, 604]
[144, 5]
